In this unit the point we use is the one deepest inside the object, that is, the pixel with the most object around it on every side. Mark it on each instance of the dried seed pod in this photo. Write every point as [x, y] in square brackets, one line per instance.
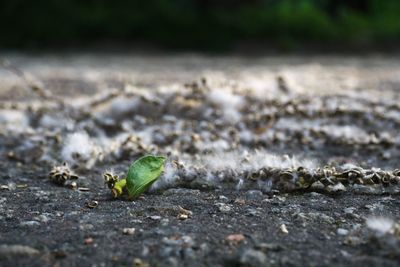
[359, 181]
[368, 180]
[303, 183]
[396, 172]
[286, 174]
[353, 172]
[386, 178]
[110, 179]
[61, 174]
[328, 171]
[303, 172]
[262, 174]
[326, 181]
[253, 176]
[375, 175]
[92, 204]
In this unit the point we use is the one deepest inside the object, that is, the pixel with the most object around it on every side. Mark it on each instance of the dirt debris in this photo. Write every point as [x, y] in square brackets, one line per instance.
[251, 147]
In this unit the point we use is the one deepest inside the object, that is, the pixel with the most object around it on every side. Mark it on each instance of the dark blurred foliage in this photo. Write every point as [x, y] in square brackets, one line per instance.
[198, 24]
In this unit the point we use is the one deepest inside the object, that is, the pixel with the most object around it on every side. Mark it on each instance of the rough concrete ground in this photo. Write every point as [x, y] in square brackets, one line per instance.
[43, 224]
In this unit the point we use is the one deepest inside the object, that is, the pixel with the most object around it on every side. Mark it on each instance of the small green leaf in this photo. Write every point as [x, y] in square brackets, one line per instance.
[142, 173]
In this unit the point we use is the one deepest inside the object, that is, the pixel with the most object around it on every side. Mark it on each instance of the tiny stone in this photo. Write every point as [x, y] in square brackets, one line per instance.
[252, 212]
[155, 217]
[284, 229]
[223, 198]
[280, 198]
[234, 238]
[183, 216]
[30, 223]
[42, 218]
[240, 201]
[86, 227]
[139, 263]
[342, 231]
[128, 231]
[254, 194]
[349, 210]
[222, 207]
[315, 194]
[251, 257]
[73, 185]
[339, 187]
[88, 241]
[164, 221]
[4, 187]
[185, 211]
[317, 185]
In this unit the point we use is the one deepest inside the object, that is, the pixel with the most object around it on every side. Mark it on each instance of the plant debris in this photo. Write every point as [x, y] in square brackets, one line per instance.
[62, 174]
[249, 145]
[141, 174]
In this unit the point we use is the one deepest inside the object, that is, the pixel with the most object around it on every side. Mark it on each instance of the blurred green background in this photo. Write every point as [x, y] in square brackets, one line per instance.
[200, 24]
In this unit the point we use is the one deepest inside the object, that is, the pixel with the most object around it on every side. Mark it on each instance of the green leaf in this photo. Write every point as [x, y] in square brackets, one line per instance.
[142, 173]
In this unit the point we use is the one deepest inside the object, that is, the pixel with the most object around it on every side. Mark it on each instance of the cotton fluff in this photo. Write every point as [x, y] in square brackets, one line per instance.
[79, 150]
[348, 132]
[121, 105]
[55, 121]
[380, 224]
[262, 87]
[229, 103]
[13, 120]
[167, 179]
[253, 161]
[219, 145]
[224, 161]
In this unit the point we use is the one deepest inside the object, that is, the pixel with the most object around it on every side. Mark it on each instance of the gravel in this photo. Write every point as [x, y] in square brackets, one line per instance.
[214, 205]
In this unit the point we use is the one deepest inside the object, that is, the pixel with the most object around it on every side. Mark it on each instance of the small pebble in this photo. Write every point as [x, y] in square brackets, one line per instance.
[182, 216]
[349, 210]
[284, 229]
[139, 263]
[155, 217]
[222, 207]
[254, 194]
[253, 258]
[30, 223]
[88, 241]
[223, 198]
[42, 218]
[235, 238]
[128, 231]
[342, 231]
